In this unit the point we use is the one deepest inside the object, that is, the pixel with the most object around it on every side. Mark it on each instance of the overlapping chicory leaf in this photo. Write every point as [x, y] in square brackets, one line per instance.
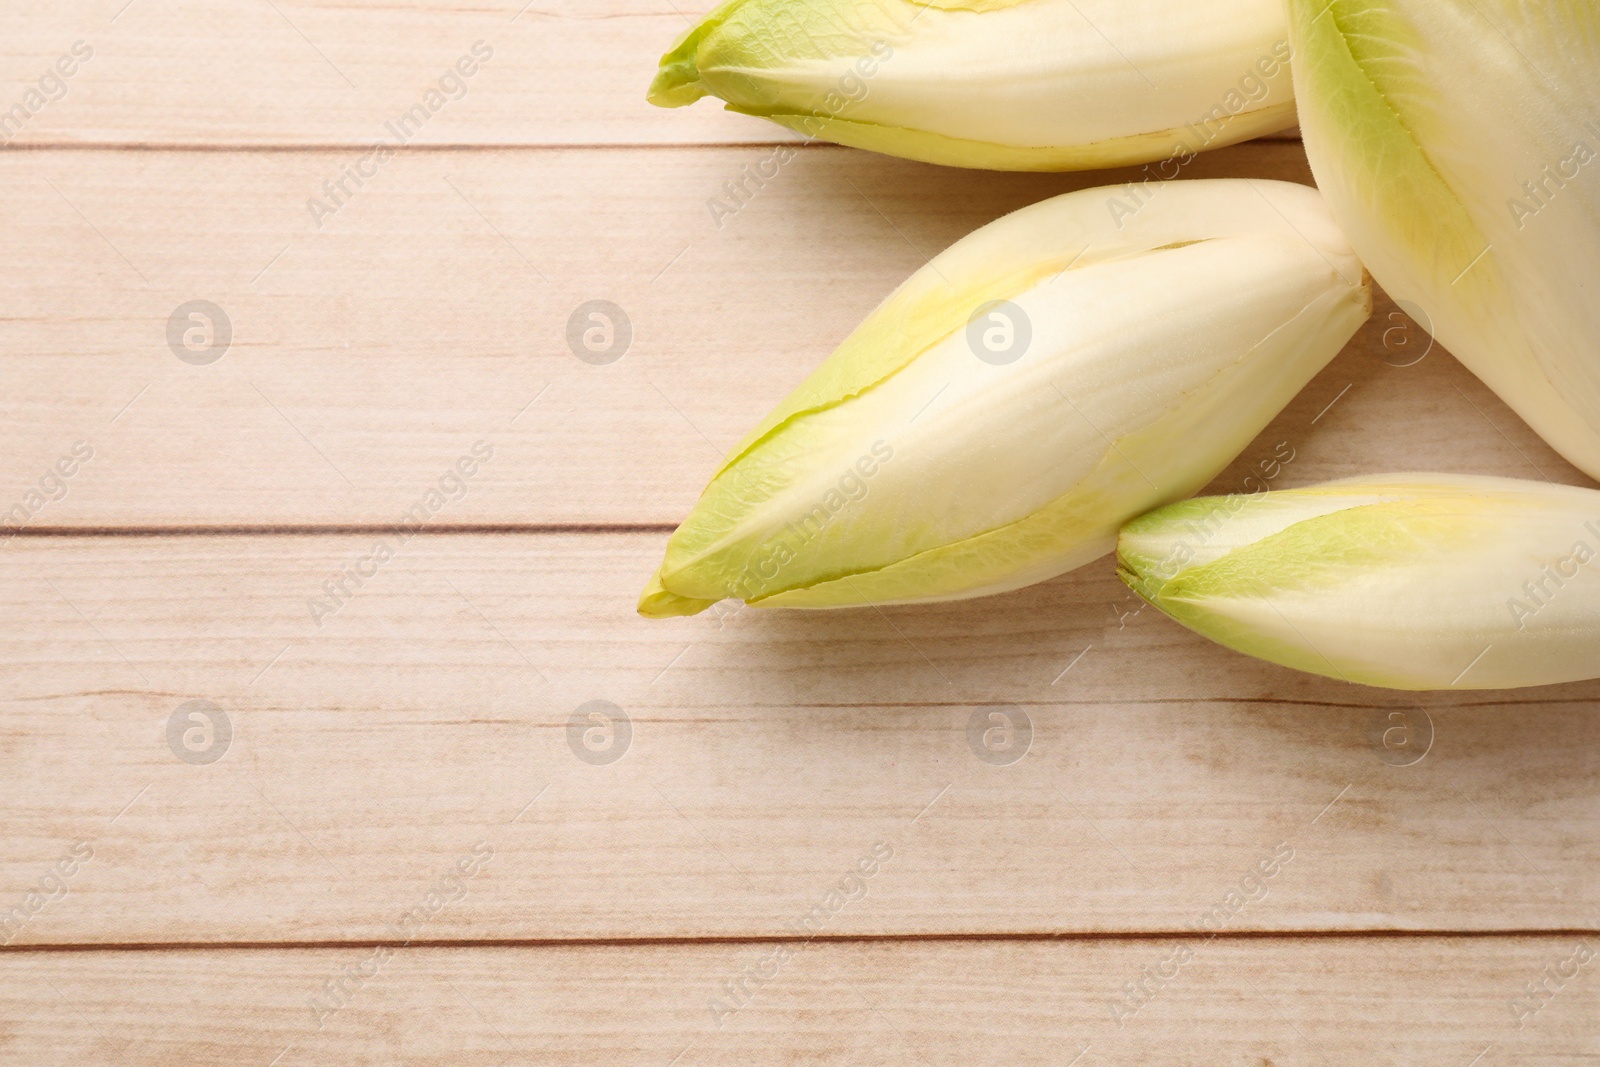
[1458, 141]
[1408, 581]
[996, 84]
[996, 420]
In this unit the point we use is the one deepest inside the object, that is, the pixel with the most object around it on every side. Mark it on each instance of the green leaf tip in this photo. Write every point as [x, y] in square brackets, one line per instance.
[658, 603]
[677, 82]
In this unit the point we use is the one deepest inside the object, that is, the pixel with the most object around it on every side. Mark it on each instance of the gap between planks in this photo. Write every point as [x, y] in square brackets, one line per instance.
[344, 529]
[1372, 934]
[326, 147]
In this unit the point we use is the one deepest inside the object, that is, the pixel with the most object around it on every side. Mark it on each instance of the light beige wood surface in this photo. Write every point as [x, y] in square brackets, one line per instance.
[1432, 857]
[324, 72]
[768, 752]
[431, 313]
[1427, 1001]
[337, 72]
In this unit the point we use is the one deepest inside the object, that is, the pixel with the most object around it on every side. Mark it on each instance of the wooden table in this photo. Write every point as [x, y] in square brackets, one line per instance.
[273, 794]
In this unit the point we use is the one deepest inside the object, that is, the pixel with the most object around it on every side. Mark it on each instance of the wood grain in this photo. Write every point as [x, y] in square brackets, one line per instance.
[1427, 1002]
[322, 72]
[409, 763]
[432, 312]
[768, 753]
[336, 72]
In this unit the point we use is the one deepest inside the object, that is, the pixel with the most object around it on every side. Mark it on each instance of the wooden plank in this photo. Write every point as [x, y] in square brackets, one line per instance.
[432, 312]
[324, 72]
[1429, 1002]
[766, 754]
[416, 758]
